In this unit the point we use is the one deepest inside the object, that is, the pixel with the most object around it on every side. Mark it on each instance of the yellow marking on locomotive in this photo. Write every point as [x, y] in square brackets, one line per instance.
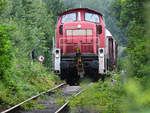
[79, 62]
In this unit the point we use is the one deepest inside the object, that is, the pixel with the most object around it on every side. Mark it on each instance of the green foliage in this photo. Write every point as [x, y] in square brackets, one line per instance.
[5, 50]
[34, 28]
[55, 7]
[136, 98]
[2, 5]
[109, 97]
[132, 17]
[137, 65]
[25, 80]
[100, 97]
[116, 7]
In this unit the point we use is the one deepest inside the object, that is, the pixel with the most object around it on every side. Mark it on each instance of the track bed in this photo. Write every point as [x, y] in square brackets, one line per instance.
[50, 103]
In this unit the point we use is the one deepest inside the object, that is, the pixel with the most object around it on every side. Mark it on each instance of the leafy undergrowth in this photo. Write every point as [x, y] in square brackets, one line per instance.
[100, 97]
[113, 96]
[27, 80]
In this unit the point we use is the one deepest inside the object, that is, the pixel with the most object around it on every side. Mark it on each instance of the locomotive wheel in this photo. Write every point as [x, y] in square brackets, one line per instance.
[63, 74]
[72, 78]
[62, 77]
[93, 74]
[103, 77]
[96, 76]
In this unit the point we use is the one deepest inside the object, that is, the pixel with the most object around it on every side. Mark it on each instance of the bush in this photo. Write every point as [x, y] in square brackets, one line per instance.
[100, 97]
[5, 50]
[25, 79]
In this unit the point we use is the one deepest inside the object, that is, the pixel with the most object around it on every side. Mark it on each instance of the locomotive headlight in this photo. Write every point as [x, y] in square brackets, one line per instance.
[101, 55]
[79, 26]
[57, 55]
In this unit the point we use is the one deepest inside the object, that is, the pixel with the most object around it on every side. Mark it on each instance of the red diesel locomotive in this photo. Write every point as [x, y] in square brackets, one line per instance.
[83, 46]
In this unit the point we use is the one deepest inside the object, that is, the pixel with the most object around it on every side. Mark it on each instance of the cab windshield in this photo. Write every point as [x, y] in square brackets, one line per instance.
[71, 17]
[92, 17]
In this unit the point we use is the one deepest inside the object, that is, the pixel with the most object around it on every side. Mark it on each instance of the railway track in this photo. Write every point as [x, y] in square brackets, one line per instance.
[16, 108]
[51, 105]
[65, 108]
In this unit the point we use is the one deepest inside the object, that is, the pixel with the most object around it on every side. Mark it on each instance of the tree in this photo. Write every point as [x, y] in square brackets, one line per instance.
[55, 7]
[132, 18]
[3, 4]
[34, 28]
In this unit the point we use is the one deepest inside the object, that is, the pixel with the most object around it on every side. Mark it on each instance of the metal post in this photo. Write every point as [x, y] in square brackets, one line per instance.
[123, 73]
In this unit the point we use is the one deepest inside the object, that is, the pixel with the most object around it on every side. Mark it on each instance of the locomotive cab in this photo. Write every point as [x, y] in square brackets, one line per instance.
[80, 44]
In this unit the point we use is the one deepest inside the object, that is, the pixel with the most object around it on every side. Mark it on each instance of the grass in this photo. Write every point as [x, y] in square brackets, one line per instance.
[26, 81]
[99, 97]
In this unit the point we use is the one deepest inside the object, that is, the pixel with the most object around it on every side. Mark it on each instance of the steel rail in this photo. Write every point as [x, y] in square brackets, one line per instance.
[65, 108]
[34, 97]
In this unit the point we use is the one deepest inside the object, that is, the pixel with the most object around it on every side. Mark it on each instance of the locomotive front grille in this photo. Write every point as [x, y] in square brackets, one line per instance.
[80, 32]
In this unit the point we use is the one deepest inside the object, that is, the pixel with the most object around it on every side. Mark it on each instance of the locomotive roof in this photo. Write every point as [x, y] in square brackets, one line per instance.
[77, 9]
[108, 33]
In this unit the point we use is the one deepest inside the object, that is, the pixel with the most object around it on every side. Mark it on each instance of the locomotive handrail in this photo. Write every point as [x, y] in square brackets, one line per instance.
[76, 44]
[79, 42]
[64, 38]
